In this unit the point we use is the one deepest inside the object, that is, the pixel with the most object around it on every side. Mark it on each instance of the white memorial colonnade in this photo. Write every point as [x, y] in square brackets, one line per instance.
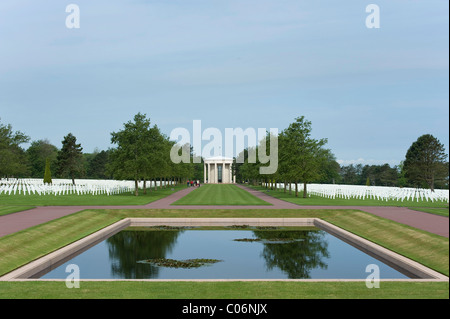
[218, 170]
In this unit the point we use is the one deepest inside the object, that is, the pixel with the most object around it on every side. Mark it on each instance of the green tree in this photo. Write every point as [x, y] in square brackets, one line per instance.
[69, 159]
[301, 154]
[249, 169]
[425, 162]
[38, 153]
[47, 173]
[97, 165]
[329, 168]
[13, 161]
[158, 162]
[401, 178]
[386, 175]
[352, 174]
[131, 158]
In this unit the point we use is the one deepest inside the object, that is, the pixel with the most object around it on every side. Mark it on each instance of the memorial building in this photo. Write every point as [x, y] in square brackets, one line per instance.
[218, 170]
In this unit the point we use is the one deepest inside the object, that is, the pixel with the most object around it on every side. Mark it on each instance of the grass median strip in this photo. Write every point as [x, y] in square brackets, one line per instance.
[220, 194]
[224, 290]
[24, 246]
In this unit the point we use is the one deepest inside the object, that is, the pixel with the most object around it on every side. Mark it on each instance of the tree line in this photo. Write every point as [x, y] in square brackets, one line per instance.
[43, 158]
[141, 152]
[301, 159]
[425, 166]
[305, 160]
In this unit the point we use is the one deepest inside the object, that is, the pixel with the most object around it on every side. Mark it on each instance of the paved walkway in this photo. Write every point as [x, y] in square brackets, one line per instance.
[21, 220]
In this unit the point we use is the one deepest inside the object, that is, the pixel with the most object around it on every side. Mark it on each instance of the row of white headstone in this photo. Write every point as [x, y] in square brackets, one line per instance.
[382, 193]
[110, 187]
[64, 186]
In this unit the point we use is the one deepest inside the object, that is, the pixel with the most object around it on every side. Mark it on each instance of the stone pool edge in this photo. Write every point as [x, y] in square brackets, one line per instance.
[23, 273]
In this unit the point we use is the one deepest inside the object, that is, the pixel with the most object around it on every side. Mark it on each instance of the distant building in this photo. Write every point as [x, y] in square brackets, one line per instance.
[218, 170]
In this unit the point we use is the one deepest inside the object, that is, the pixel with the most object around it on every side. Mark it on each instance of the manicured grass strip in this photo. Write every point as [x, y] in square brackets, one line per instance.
[22, 247]
[224, 290]
[4, 210]
[220, 194]
[323, 201]
[87, 199]
[436, 211]
[429, 249]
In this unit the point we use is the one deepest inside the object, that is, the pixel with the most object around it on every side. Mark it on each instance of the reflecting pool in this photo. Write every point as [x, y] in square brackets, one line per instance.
[239, 254]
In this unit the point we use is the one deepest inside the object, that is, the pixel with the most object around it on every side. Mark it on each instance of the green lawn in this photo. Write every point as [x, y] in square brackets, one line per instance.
[24, 246]
[87, 200]
[322, 201]
[220, 194]
[224, 290]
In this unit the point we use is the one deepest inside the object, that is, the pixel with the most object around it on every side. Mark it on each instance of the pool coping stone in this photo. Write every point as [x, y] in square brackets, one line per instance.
[50, 260]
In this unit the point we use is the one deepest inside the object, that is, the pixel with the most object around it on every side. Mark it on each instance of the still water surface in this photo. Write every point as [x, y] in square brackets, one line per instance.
[309, 254]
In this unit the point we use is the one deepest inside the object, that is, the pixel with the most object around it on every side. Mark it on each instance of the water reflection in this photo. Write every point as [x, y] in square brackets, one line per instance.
[295, 258]
[126, 247]
[265, 255]
[298, 257]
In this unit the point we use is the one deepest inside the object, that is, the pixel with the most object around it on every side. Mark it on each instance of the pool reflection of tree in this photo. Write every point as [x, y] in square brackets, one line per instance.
[295, 258]
[298, 257]
[126, 247]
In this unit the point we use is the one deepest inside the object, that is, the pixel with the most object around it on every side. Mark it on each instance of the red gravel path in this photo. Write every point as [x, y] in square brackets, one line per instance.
[21, 220]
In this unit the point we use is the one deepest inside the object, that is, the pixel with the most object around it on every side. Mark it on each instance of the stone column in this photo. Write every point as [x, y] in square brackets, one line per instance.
[216, 173]
[223, 173]
[209, 173]
[204, 173]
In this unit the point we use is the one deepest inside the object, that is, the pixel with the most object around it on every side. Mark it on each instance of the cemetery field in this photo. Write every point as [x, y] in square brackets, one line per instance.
[219, 194]
[125, 198]
[317, 200]
[426, 248]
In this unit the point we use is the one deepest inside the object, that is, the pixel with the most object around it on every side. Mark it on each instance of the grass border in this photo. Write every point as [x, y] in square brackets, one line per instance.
[102, 289]
[219, 195]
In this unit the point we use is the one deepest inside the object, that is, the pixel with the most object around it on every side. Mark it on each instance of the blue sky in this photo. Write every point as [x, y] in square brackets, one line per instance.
[229, 63]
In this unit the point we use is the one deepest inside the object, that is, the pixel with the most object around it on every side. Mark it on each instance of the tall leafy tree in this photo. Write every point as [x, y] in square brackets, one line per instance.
[425, 161]
[131, 159]
[329, 168]
[249, 169]
[38, 153]
[69, 159]
[157, 156]
[13, 161]
[302, 154]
